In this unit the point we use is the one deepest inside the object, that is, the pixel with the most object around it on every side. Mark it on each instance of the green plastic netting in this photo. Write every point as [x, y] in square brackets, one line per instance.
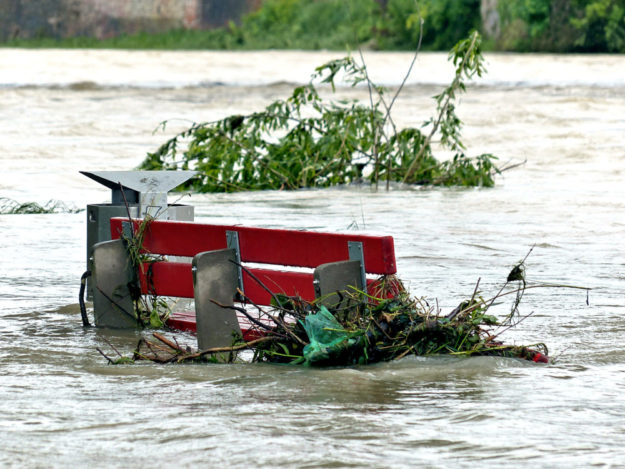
[327, 338]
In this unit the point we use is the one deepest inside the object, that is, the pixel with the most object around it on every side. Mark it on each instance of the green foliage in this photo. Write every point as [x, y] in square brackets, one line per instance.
[278, 24]
[445, 22]
[535, 13]
[304, 24]
[304, 141]
[602, 26]
[310, 24]
[151, 311]
[467, 57]
[526, 25]
[177, 39]
[563, 25]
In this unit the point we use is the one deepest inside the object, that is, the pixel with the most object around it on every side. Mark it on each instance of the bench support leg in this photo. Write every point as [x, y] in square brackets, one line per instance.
[357, 253]
[336, 276]
[113, 276]
[215, 277]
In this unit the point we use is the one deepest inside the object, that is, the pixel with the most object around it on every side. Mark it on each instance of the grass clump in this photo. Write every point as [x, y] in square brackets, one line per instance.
[150, 311]
[13, 207]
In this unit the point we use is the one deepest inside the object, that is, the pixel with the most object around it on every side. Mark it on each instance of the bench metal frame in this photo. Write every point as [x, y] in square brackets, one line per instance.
[215, 273]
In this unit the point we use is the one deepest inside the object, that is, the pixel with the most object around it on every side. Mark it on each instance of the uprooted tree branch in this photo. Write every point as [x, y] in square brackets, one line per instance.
[306, 141]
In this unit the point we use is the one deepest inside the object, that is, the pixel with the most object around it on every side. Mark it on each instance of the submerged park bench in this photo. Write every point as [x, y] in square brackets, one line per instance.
[227, 261]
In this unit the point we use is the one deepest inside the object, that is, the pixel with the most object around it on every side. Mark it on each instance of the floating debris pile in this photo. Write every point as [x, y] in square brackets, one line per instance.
[369, 329]
[360, 328]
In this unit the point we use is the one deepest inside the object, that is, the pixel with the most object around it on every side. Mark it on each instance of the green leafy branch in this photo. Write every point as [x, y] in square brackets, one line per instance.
[307, 141]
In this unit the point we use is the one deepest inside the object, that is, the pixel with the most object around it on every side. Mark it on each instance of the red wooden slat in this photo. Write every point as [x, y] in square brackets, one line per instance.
[264, 245]
[258, 245]
[167, 279]
[186, 323]
[176, 279]
[182, 323]
[288, 283]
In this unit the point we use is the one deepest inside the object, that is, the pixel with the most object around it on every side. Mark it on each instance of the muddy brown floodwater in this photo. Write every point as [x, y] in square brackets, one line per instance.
[62, 405]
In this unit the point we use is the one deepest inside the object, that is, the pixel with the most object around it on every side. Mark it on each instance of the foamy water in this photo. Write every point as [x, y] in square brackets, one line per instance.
[161, 69]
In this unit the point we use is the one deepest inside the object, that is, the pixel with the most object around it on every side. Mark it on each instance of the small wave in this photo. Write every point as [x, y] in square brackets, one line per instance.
[90, 85]
[83, 86]
[161, 85]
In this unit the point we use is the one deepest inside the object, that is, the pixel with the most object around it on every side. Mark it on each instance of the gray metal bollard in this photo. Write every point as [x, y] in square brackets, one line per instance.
[215, 278]
[336, 276]
[112, 274]
[134, 193]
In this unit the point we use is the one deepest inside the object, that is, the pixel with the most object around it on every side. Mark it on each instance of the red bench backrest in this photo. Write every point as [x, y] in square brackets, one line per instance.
[257, 245]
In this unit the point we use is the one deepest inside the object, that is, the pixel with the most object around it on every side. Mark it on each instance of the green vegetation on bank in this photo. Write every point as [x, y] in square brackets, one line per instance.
[515, 25]
[562, 25]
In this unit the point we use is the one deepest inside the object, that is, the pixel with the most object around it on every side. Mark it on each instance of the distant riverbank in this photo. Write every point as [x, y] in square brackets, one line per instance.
[507, 25]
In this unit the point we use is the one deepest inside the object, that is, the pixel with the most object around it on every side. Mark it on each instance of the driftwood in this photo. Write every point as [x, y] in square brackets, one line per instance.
[167, 351]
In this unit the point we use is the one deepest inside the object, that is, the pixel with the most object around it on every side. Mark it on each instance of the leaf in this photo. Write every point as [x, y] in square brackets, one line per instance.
[517, 273]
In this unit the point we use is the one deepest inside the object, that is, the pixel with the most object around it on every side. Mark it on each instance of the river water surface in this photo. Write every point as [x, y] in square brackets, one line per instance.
[62, 405]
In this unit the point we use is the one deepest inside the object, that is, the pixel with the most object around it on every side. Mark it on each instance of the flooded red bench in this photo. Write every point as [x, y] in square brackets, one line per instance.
[231, 263]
